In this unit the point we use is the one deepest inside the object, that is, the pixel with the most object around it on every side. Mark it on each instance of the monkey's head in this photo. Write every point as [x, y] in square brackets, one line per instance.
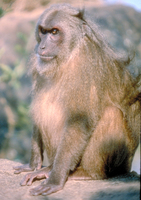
[58, 32]
[65, 35]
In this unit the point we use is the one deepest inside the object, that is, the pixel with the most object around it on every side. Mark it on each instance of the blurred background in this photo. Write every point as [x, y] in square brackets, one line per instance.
[120, 24]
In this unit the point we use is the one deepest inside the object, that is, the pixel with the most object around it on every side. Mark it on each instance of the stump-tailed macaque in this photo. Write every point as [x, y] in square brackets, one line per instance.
[85, 107]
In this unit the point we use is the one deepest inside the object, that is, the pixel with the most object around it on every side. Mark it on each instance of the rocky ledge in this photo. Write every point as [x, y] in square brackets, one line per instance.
[123, 187]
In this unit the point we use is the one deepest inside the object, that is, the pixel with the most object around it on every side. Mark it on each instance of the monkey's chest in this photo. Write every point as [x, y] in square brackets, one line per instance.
[48, 117]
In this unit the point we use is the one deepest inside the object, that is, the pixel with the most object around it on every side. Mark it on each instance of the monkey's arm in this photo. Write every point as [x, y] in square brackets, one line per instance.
[68, 156]
[36, 154]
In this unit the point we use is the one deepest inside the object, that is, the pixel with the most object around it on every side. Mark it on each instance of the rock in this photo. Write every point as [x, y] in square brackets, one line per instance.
[122, 187]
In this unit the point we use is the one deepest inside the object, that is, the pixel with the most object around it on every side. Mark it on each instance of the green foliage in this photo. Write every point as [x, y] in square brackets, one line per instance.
[20, 47]
[15, 123]
[1, 12]
[15, 140]
[11, 78]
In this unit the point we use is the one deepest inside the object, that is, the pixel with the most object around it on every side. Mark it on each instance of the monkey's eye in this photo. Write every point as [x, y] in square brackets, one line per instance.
[54, 31]
[43, 31]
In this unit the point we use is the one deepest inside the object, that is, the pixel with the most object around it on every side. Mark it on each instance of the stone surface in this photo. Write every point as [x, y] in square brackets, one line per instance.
[124, 187]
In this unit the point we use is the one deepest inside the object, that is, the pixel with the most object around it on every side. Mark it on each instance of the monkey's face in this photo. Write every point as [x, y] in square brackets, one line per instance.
[49, 45]
[49, 42]
[56, 37]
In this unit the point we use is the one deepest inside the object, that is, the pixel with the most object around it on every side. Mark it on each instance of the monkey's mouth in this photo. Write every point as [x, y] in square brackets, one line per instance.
[45, 58]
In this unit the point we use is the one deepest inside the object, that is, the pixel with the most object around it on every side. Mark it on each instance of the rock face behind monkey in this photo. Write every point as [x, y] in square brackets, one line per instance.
[85, 106]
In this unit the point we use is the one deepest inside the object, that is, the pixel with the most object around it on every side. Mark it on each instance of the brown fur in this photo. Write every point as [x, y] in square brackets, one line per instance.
[85, 107]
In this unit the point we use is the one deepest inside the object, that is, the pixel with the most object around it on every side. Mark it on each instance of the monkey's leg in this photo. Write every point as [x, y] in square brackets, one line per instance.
[68, 155]
[79, 174]
[36, 154]
[108, 152]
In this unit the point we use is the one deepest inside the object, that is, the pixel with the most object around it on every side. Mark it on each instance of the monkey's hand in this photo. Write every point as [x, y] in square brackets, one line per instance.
[25, 168]
[40, 174]
[45, 188]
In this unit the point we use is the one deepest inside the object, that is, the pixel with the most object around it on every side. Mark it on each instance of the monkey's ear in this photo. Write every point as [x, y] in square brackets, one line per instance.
[80, 14]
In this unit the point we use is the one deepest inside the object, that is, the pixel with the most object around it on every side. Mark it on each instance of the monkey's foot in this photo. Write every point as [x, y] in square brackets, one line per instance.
[22, 168]
[40, 174]
[45, 189]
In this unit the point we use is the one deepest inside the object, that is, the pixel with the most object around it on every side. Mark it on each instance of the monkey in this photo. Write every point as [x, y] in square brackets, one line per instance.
[85, 106]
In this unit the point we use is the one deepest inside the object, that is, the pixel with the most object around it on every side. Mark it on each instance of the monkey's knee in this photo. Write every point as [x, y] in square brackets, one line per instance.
[108, 148]
[112, 113]
[107, 159]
